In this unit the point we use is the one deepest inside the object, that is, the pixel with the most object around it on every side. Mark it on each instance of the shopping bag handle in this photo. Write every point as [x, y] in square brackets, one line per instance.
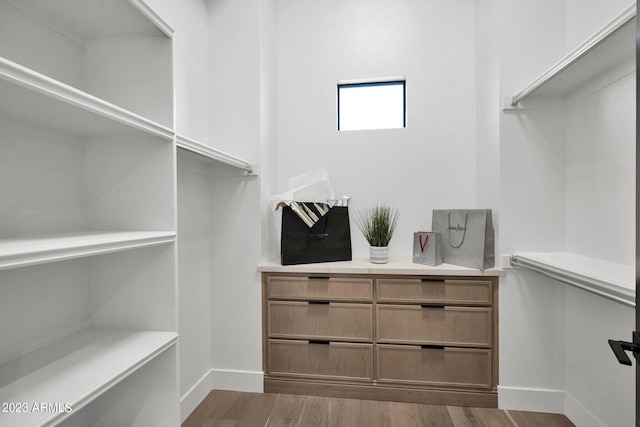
[464, 229]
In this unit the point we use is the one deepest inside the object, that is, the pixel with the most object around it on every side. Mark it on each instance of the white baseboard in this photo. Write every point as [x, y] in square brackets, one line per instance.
[248, 381]
[220, 379]
[578, 414]
[526, 399]
[195, 395]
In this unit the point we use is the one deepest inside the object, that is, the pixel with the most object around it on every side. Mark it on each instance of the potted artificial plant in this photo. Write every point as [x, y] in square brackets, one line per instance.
[377, 225]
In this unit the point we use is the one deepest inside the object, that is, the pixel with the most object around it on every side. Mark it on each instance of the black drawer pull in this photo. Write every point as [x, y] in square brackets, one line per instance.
[432, 306]
[319, 302]
[431, 279]
[319, 277]
[433, 347]
[321, 342]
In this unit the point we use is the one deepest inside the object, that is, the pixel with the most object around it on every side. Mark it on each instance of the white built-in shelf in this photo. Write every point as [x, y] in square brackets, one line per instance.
[607, 279]
[85, 19]
[75, 371]
[612, 45]
[214, 154]
[34, 98]
[23, 252]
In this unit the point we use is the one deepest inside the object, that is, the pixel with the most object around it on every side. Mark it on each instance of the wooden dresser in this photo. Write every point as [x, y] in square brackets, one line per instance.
[399, 332]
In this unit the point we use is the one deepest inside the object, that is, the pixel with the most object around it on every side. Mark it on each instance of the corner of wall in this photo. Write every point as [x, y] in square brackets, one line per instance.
[578, 414]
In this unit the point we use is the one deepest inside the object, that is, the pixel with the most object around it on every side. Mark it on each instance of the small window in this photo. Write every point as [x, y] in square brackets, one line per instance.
[372, 105]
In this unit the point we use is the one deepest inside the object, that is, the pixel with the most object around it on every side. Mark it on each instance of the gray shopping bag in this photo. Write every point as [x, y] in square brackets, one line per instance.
[427, 248]
[467, 237]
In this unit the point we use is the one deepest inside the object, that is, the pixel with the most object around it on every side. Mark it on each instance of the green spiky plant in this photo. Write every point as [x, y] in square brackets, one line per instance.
[377, 224]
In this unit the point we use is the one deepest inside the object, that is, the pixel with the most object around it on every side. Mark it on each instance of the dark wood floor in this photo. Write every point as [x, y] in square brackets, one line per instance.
[234, 409]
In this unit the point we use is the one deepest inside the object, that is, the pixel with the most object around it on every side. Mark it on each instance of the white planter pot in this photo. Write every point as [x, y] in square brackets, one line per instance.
[379, 255]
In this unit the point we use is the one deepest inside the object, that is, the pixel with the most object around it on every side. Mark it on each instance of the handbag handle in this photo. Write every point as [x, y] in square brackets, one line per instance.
[464, 229]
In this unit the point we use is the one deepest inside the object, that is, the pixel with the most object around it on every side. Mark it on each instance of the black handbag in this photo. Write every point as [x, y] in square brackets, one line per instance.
[329, 239]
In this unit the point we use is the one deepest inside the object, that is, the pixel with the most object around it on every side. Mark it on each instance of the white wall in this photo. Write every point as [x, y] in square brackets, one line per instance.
[598, 390]
[531, 211]
[429, 164]
[268, 167]
[600, 170]
[190, 52]
[488, 102]
[567, 172]
[236, 106]
[600, 199]
[194, 280]
[531, 158]
[234, 78]
[224, 87]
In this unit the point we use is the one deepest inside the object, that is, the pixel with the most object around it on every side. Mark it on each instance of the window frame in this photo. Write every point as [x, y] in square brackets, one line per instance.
[380, 82]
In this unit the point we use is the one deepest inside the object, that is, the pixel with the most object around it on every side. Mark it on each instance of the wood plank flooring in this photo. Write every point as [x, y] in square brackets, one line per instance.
[235, 409]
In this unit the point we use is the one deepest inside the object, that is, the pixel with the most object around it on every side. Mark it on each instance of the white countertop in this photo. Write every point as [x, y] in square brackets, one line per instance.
[396, 265]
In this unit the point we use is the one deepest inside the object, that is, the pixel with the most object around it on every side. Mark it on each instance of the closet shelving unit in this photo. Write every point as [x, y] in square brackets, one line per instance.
[87, 224]
[57, 106]
[588, 64]
[214, 154]
[86, 365]
[611, 45]
[610, 280]
[22, 252]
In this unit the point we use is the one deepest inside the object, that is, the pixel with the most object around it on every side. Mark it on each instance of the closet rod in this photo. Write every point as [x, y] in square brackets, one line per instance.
[214, 154]
[589, 284]
[578, 53]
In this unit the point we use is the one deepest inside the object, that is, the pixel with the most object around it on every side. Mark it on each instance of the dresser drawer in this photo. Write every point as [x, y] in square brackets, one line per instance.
[450, 291]
[332, 321]
[448, 366]
[333, 360]
[413, 324]
[319, 288]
